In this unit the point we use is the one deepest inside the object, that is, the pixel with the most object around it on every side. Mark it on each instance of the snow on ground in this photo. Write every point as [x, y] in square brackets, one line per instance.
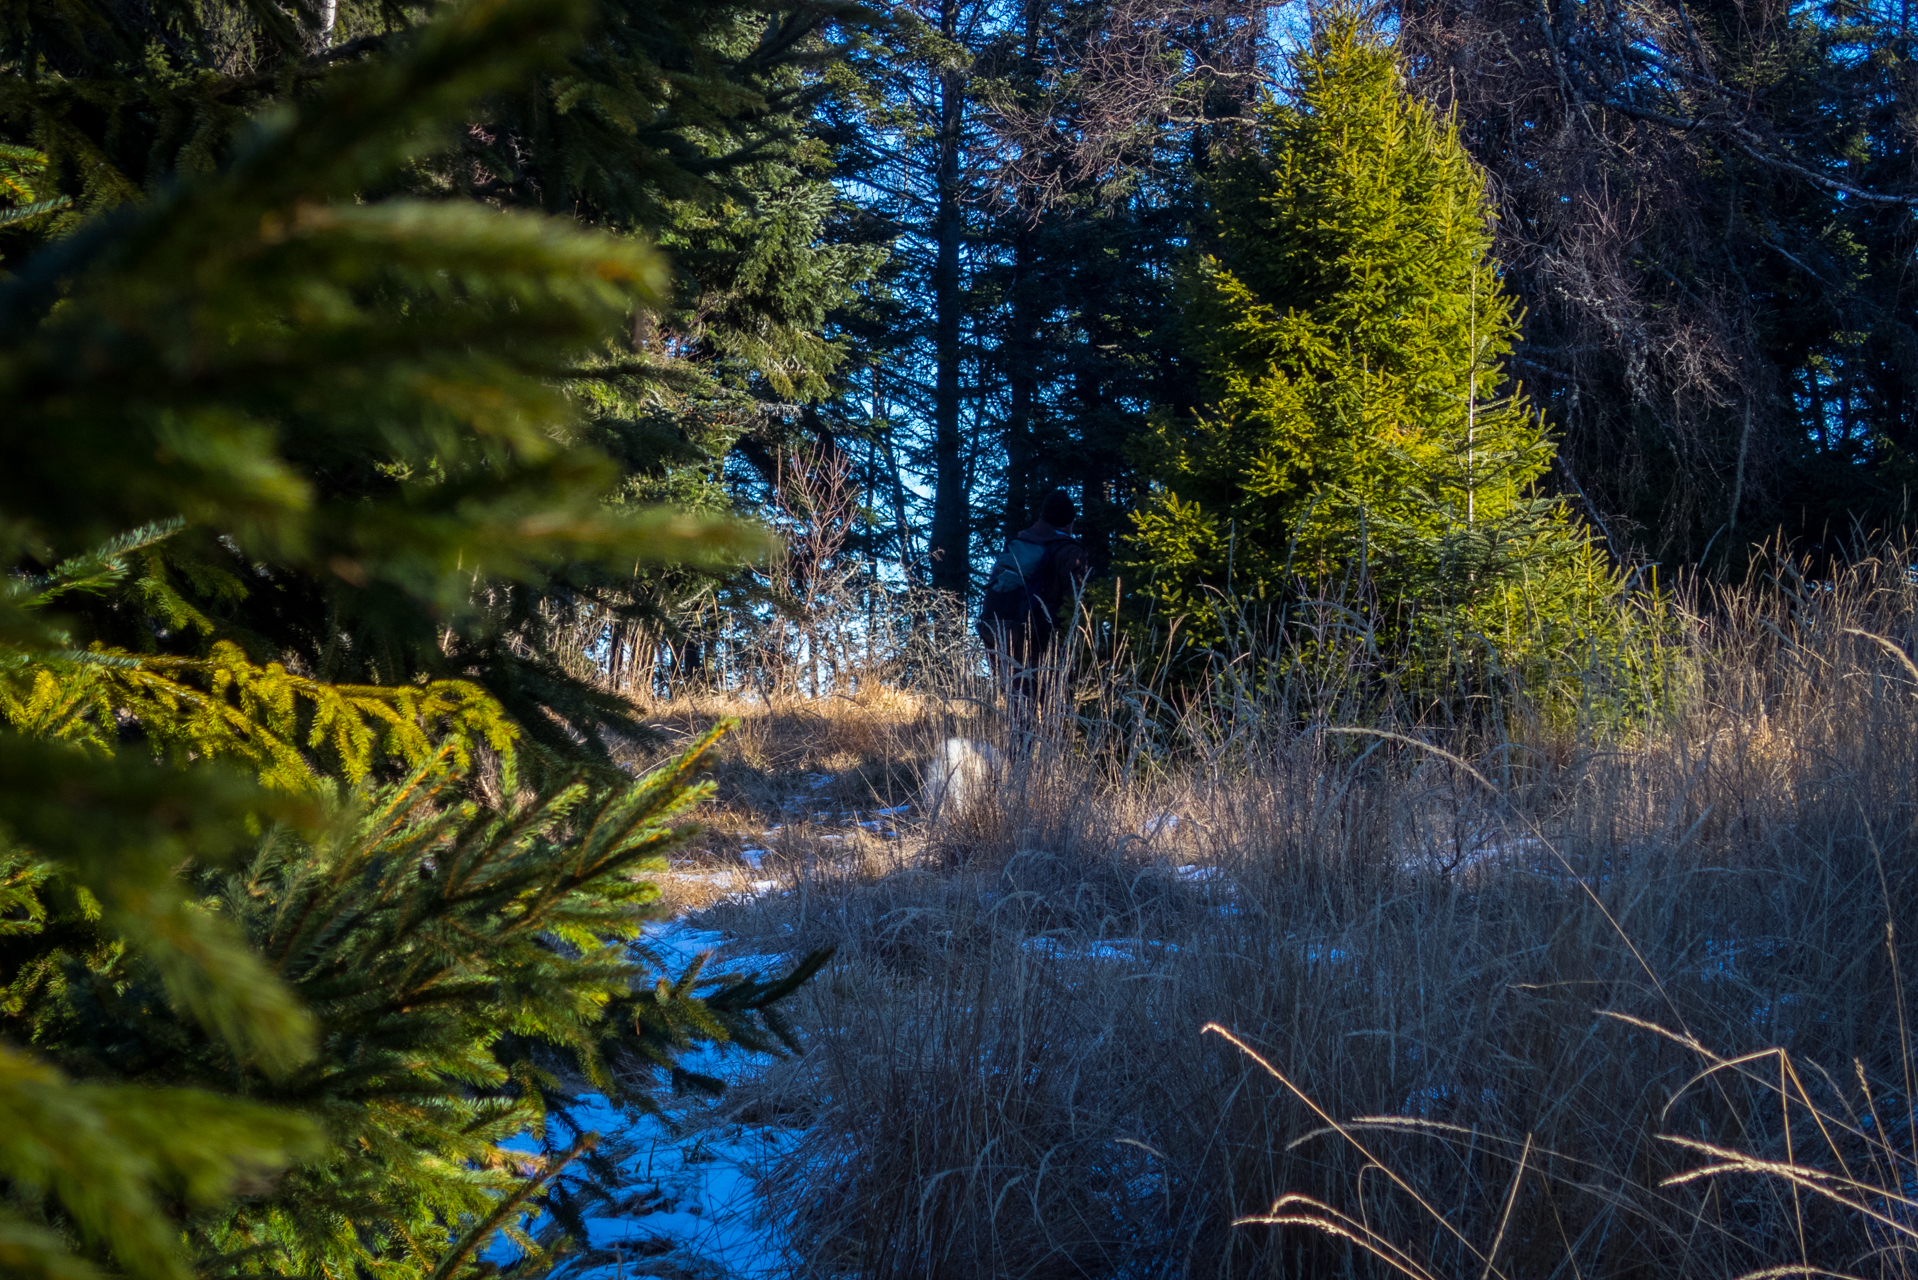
[690, 1206]
[1166, 822]
[1125, 950]
[694, 1201]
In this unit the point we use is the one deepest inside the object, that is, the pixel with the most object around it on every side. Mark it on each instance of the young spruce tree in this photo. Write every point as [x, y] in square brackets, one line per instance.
[1356, 432]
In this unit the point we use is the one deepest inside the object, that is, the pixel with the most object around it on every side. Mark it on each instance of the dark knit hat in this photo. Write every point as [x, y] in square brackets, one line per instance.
[1057, 510]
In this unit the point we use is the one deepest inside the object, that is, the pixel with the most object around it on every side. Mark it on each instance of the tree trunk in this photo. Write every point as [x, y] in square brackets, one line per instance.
[1022, 379]
[1095, 506]
[950, 513]
[1022, 342]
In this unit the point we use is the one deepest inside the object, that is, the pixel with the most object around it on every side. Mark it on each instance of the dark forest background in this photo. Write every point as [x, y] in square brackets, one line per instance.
[933, 250]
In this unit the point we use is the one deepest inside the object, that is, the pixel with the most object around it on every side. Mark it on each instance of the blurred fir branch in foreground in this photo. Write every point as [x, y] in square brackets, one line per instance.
[278, 979]
[683, 125]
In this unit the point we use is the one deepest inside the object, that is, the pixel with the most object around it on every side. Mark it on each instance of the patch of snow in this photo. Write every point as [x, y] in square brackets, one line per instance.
[1528, 854]
[959, 774]
[1214, 882]
[752, 857]
[691, 1199]
[1164, 823]
[694, 1196]
[1125, 950]
[755, 890]
[711, 1183]
[676, 944]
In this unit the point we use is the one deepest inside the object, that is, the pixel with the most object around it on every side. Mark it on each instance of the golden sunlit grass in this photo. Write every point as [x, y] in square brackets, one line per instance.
[795, 779]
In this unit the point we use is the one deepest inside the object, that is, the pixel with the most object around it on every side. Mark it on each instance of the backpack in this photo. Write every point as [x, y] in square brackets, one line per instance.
[1014, 615]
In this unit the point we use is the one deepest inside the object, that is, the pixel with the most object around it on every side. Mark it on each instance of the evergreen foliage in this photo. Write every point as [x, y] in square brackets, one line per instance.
[1099, 117]
[652, 117]
[649, 105]
[277, 381]
[1088, 343]
[1355, 431]
[358, 391]
[22, 180]
[467, 970]
[292, 731]
[734, 374]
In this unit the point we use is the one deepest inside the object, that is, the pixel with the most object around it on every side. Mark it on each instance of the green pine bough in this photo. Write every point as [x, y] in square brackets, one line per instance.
[301, 1053]
[280, 288]
[467, 970]
[294, 732]
[453, 973]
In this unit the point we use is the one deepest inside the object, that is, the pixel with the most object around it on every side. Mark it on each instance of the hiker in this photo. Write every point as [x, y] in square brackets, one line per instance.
[1033, 584]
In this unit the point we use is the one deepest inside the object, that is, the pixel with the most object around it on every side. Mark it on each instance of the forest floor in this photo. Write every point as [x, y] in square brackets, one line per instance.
[799, 786]
[1492, 1000]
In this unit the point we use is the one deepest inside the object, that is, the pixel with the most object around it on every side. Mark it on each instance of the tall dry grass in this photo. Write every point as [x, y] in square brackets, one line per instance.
[1491, 1000]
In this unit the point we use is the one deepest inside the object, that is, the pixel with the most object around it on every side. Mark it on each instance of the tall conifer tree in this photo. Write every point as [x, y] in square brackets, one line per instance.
[1355, 425]
[1707, 216]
